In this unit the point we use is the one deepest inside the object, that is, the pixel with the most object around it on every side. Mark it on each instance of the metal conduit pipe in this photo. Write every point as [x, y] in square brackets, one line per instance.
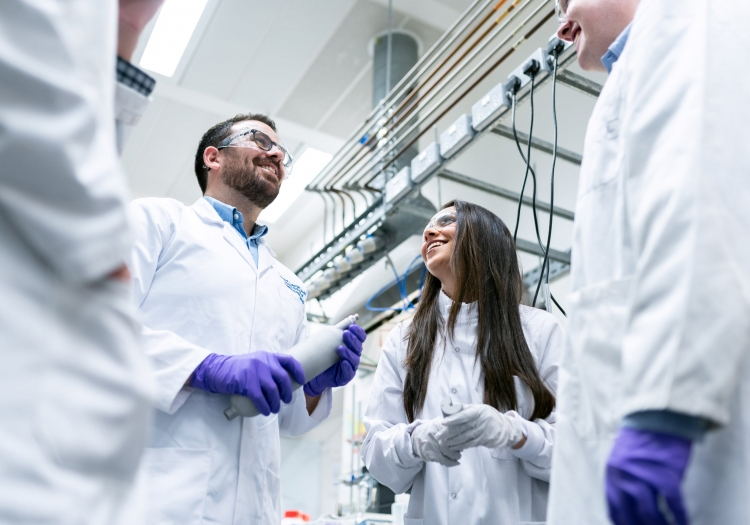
[411, 130]
[423, 94]
[377, 113]
[356, 171]
[397, 112]
[417, 90]
[466, 91]
[422, 119]
[429, 95]
[394, 56]
[368, 165]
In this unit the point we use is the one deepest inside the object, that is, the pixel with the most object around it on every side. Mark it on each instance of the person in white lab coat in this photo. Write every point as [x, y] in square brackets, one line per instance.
[75, 400]
[655, 380]
[218, 308]
[472, 340]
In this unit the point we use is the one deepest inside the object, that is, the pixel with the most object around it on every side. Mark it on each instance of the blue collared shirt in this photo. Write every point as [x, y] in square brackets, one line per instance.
[231, 215]
[615, 50]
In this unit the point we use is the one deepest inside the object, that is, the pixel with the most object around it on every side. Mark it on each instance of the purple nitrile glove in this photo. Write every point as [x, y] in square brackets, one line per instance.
[644, 473]
[260, 376]
[345, 370]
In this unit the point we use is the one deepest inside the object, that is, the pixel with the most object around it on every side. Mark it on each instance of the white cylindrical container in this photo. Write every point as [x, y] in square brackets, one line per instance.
[316, 354]
[450, 407]
[331, 274]
[355, 256]
[370, 244]
[323, 283]
[342, 266]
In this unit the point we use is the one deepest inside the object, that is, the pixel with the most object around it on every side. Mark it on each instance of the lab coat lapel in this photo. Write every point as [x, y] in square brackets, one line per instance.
[238, 243]
[265, 256]
[208, 214]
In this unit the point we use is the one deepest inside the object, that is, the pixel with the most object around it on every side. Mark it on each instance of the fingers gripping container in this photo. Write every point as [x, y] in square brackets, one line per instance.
[316, 354]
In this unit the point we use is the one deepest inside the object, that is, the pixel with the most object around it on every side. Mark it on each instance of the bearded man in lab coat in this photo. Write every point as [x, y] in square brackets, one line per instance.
[654, 394]
[217, 309]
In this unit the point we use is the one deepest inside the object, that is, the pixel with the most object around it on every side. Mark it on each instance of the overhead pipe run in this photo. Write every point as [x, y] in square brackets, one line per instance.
[403, 116]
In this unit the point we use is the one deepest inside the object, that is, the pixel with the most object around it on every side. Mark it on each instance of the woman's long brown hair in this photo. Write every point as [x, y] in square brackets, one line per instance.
[485, 265]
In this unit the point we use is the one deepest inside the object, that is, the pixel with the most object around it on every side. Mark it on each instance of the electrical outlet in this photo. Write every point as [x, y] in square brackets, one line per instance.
[399, 185]
[426, 163]
[486, 111]
[458, 134]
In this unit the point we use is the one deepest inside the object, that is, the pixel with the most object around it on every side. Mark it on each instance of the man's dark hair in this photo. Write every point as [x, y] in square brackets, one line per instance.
[216, 134]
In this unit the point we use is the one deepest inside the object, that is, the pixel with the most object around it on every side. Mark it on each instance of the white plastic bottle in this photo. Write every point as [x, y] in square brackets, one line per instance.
[316, 354]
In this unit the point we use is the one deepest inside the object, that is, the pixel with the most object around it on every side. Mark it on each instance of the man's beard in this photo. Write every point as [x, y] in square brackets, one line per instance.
[250, 184]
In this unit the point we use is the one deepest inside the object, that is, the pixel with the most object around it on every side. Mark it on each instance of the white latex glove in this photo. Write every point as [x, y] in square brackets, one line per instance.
[480, 426]
[425, 444]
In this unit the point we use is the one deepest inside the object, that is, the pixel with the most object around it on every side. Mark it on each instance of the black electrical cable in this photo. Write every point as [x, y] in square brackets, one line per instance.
[529, 169]
[558, 304]
[544, 276]
[546, 262]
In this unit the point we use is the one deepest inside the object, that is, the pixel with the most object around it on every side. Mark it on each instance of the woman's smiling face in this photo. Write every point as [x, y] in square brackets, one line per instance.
[437, 247]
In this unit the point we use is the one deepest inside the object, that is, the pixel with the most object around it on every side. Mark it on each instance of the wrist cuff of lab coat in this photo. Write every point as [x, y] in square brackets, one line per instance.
[174, 393]
[534, 440]
[325, 403]
[668, 422]
[405, 447]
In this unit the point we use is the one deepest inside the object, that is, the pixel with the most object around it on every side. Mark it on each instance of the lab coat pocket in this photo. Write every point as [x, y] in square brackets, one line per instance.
[177, 483]
[592, 370]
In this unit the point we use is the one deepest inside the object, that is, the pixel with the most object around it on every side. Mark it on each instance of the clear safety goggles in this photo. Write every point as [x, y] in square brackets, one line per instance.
[253, 138]
[442, 221]
[561, 6]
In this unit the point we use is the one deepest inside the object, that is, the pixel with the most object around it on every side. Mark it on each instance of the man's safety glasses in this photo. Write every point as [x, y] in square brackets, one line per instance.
[441, 222]
[561, 6]
[253, 138]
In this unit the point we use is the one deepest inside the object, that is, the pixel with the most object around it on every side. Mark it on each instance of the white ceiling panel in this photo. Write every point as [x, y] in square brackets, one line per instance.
[231, 41]
[287, 51]
[157, 155]
[317, 100]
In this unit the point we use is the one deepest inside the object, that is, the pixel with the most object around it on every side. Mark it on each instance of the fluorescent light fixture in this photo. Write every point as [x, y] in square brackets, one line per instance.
[171, 34]
[309, 164]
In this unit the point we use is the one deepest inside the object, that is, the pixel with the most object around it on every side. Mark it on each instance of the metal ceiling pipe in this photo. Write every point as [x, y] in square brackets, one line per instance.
[425, 63]
[394, 54]
[404, 54]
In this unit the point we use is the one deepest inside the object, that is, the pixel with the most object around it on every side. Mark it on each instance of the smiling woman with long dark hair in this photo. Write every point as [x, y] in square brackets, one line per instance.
[470, 340]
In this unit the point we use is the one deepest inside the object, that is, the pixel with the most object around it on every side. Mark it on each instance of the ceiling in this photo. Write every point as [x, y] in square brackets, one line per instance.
[307, 65]
[304, 63]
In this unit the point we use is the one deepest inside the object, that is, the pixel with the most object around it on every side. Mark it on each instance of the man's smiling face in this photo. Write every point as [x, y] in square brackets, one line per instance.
[593, 25]
[254, 173]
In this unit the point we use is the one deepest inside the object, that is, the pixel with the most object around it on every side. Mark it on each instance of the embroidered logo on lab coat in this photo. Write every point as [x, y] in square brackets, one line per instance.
[296, 289]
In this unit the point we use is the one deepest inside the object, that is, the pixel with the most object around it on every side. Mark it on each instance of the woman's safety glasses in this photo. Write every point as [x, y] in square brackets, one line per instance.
[253, 138]
[442, 221]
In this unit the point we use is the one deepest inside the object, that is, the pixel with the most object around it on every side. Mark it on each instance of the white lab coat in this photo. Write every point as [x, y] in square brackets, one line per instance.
[74, 391]
[199, 292]
[491, 485]
[660, 297]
